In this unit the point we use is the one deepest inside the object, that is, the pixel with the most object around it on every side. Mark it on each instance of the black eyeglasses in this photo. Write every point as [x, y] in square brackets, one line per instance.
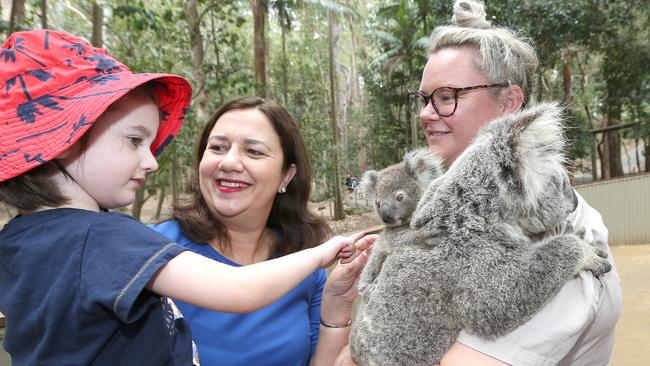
[445, 99]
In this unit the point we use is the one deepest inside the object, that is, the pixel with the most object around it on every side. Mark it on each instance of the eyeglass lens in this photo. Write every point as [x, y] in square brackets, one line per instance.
[444, 100]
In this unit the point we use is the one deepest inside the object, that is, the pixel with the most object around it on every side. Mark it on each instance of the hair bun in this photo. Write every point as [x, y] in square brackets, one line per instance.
[470, 14]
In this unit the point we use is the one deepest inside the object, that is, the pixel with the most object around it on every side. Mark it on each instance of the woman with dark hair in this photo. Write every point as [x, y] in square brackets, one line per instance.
[248, 203]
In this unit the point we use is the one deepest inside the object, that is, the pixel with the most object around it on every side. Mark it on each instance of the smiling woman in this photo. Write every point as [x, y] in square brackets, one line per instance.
[242, 168]
[248, 204]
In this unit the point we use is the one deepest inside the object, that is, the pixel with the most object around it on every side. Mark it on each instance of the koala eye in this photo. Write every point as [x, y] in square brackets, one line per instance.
[399, 197]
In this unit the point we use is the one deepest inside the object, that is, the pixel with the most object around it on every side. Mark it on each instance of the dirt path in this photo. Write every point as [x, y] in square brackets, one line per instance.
[633, 329]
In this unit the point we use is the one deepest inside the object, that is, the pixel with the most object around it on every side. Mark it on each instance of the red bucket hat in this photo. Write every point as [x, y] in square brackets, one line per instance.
[54, 86]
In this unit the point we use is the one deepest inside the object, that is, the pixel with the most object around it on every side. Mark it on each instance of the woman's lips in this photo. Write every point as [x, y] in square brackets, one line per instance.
[230, 186]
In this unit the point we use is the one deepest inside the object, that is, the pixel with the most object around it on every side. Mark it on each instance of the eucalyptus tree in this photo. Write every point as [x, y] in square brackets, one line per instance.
[624, 70]
[574, 35]
[260, 10]
[398, 31]
[150, 38]
[193, 20]
[98, 25]
[17, 16]
[283, 9]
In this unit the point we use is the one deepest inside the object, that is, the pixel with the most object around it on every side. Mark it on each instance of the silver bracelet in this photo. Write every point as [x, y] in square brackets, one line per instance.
[334, 325]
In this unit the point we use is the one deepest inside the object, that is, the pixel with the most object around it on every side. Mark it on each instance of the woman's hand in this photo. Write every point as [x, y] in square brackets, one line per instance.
[339, 247]
[345, 358]
[342, 283]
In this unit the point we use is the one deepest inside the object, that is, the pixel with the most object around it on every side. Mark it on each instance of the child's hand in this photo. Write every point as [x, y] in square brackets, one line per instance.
[362, 245]
[338, 247]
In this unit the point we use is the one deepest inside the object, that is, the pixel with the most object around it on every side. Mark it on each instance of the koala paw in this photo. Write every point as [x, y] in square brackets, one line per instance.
[595, 260]
[580, 232]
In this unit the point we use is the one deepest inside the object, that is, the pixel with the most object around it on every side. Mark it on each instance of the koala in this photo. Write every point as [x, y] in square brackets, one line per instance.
[477, 254]
[396, 191]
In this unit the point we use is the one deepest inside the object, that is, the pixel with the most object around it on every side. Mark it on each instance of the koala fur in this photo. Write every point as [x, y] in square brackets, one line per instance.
[471, 258]
[396, 191]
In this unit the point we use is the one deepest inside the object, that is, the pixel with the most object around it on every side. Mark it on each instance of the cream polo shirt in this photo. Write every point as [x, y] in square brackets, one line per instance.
[577, 326]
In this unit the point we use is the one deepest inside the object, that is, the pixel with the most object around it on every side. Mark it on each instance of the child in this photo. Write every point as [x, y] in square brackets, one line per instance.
[80, 285]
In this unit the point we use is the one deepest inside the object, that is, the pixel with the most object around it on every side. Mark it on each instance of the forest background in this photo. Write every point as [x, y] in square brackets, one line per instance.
[343, 69]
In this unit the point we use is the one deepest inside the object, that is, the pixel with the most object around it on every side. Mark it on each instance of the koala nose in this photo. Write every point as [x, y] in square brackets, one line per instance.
[385, 212]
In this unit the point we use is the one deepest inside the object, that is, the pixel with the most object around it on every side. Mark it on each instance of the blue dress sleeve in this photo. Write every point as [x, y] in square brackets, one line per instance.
[314, 309]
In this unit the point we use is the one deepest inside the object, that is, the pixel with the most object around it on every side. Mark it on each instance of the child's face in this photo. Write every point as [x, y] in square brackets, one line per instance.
[116, 157]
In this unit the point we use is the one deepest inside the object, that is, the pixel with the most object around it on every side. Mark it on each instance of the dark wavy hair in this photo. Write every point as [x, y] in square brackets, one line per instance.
[300, 227]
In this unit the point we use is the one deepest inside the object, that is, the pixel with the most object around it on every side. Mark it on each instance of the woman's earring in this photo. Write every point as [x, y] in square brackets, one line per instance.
[282, 189]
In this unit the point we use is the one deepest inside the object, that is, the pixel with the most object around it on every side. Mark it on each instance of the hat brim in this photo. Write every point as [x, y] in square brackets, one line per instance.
[66, 114]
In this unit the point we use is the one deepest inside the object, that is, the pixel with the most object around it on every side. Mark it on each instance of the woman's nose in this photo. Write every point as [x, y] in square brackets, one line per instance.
[231, 161]
[428, 112]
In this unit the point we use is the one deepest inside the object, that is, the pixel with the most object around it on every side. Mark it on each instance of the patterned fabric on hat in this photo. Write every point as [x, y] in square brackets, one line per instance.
[54, 86]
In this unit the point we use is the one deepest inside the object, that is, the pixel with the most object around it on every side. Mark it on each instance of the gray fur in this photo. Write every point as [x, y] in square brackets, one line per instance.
[396, 191]
[468, 260]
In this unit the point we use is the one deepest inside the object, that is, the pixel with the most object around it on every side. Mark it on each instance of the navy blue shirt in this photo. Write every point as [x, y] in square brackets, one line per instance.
[72, 284]
[282, 333]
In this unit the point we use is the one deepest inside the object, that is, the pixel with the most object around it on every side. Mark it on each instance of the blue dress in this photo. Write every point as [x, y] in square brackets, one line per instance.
[282, 333]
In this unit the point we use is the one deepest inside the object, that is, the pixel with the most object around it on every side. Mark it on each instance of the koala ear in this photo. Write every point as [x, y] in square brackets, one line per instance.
[529, 148]
[425, 164]
[369, 181]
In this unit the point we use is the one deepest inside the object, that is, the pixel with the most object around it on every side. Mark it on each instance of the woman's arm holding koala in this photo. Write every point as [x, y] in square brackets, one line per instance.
[458, 355]
[336, 308]
[462, 355]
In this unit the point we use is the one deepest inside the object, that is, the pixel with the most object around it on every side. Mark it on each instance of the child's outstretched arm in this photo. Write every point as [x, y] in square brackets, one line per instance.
[195, 279]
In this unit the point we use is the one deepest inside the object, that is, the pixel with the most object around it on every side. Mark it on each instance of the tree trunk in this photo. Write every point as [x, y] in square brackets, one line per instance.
[285, 72]
[98, 23]
[365, 143]
[161, 200]
[647, 153]
[354, 77]
[259, 22]
[217, 54]
[138, 202]
[17, 17]
[339, 214]
[566, 75]
[613, 141]
[603, 154]
[196, 45]
[44, 14]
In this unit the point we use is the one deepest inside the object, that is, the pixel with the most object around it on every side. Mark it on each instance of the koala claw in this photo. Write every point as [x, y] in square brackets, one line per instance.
[580, 233]
[601, 253]
[595, 260]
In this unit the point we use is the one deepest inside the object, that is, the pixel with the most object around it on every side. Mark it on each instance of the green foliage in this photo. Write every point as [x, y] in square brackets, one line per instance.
[606, 45]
